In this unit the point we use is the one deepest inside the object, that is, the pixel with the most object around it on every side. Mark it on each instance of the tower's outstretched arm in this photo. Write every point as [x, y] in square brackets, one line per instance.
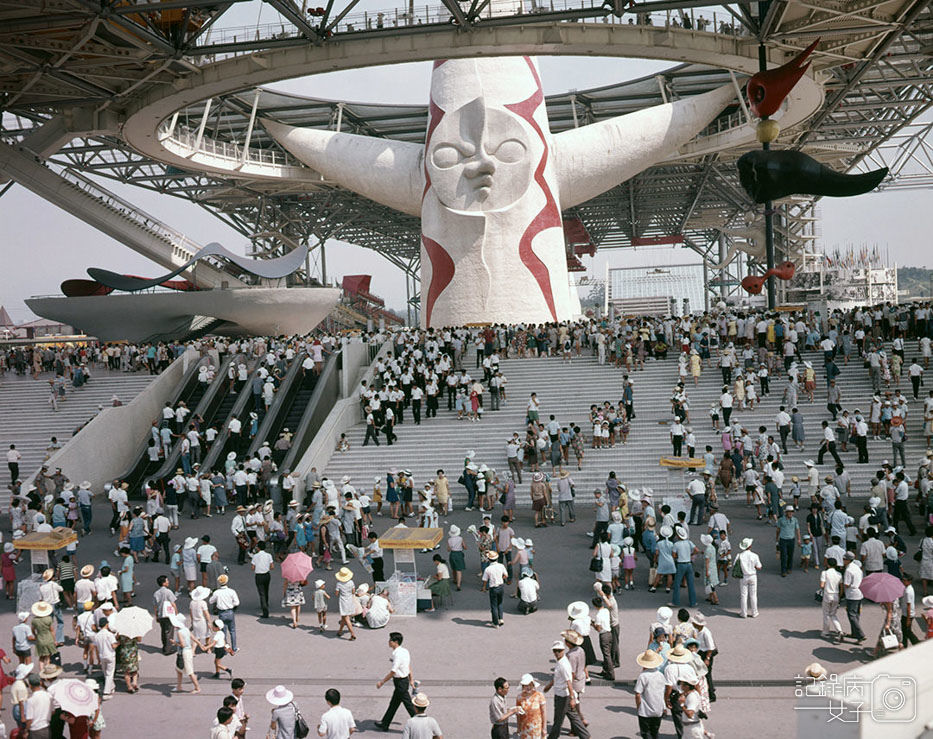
[592, 159]
[383, 170]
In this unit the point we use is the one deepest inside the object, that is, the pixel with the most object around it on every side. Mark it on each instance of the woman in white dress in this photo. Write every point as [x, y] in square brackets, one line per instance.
[346, 602]
[200, 615]
[189, 561]
[603, 550]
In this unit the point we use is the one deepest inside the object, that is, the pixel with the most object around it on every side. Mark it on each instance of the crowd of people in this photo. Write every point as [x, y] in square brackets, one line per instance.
[635, 542]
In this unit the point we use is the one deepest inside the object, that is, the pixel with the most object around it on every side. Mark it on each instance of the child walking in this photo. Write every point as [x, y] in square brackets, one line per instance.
[220, 648]
[629, 558]
[806, 551]
[320, 604]
[723, 555]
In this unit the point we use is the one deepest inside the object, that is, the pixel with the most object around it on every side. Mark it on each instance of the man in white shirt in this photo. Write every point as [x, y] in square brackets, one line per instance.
[782, 421]
[901, 508]
[565, 697]
[206, 553]
[118, 504]
[528, 589]
[106, 641]
[494, 577]
[851, 588]
[262, 565]
[402, 681]
[697, 492]
[38, 714]
[226, 600]
[830, 582]
[649, 693]
[337, 722]
[748, 587]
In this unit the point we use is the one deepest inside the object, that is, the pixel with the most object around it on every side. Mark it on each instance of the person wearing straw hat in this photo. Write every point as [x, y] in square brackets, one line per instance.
[345, 601]
[679, 668]
[226, 601]
[420, 725]
[706, 647]
[565, 697]
[649, 694]
[44, 639]
[749, 564]
[494, 577]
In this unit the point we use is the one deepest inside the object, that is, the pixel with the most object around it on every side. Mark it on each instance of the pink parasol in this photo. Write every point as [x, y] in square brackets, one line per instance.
[297, 566]
[882, 587]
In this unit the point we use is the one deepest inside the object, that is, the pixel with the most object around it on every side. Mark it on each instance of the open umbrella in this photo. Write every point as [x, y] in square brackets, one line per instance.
[74, 696]
[882, 587]
[297, 566]
[132, 622]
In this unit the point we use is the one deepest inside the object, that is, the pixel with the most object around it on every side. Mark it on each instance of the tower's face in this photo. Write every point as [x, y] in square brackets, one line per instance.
[480, 158]
[492, 242]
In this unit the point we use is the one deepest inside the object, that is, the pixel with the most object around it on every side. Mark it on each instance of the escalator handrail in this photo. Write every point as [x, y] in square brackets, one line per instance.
[303, 434]
[191, 375]
[171, 461]
[281, 404]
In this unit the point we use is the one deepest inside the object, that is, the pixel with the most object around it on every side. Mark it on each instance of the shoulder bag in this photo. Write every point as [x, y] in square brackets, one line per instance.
[301, 726]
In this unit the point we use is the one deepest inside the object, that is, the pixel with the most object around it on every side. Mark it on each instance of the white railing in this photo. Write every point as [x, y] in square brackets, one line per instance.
[114, 202]
[188, 138]
[692, 19]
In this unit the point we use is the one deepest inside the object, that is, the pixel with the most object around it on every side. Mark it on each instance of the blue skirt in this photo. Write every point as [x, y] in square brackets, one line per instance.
[458, 561]
[137, 543]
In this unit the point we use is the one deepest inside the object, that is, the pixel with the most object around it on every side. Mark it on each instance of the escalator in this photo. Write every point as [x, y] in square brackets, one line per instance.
[187, 389]
[209, 399]
[325, 394]
[238, 404]
[289, 405]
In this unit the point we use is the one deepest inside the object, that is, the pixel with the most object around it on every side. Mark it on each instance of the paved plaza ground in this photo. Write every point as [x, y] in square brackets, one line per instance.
[456, 655]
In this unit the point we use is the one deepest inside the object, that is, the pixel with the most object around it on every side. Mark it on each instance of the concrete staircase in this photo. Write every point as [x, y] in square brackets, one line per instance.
[568, 390]
[29, 421]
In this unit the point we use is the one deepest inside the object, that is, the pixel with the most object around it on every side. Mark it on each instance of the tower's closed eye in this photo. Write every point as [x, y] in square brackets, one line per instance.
[510, 151]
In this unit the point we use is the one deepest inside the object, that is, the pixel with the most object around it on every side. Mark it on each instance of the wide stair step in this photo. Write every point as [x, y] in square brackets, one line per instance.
[30, 422]
[568, 389]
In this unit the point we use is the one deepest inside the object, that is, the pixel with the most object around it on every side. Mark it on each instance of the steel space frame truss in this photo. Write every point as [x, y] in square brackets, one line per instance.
[63, 57]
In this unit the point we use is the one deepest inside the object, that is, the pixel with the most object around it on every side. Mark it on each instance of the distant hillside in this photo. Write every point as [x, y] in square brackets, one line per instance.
[915, 282]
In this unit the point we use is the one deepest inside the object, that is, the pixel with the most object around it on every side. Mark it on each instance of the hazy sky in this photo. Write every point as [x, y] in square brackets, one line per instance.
[43, 245]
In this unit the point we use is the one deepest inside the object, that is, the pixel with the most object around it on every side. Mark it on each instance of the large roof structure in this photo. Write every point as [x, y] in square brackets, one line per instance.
[78, 76]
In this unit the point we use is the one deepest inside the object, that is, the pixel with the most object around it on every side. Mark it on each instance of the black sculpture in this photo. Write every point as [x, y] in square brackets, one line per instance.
[267, 268]
[769, 175]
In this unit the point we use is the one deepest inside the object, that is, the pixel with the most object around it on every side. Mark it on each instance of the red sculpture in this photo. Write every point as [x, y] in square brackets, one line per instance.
[754, 283]
[767, 90]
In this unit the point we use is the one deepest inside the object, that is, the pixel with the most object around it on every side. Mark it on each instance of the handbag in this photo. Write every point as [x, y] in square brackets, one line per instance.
[301, 726]
[889, 639]
[596, 564]
[737, 569]
[818, 596]
[918, 555]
